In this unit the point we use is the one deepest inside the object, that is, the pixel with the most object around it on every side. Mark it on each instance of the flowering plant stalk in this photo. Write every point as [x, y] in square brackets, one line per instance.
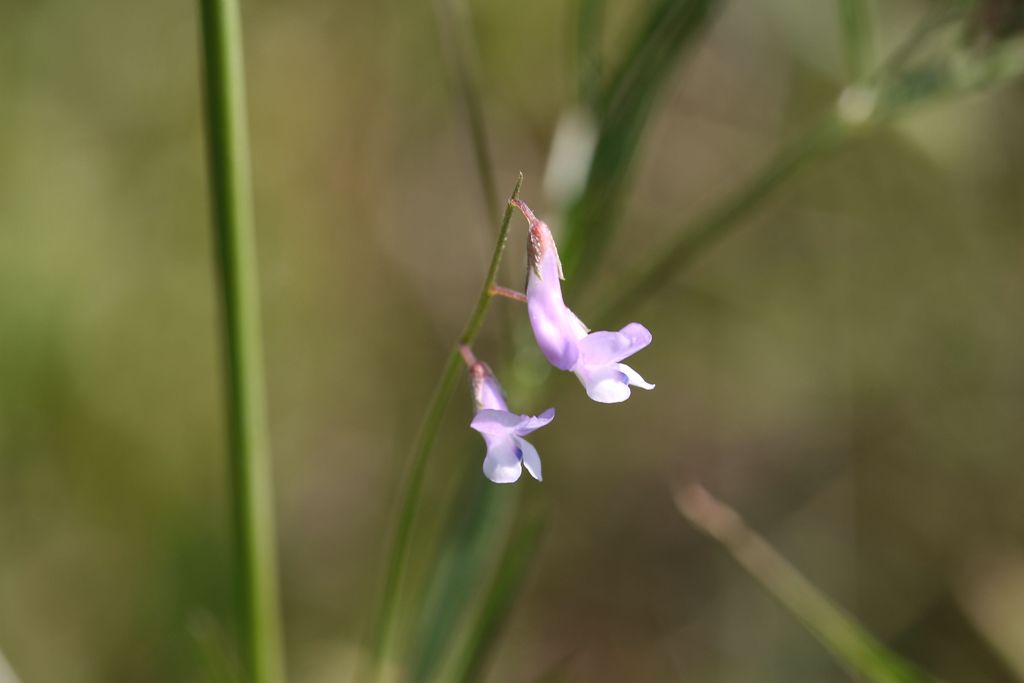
[385, 627]
[561, 341]
[255, 564]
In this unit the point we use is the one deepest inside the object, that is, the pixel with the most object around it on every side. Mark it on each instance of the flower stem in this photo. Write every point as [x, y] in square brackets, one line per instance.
[385, 627]
[231, 190]
[497, 290]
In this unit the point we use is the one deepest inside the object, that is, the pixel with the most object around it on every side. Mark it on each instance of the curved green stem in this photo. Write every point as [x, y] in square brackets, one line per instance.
[231, 194]
[895, 97]
[462, 53]
[842, 635]
[722, 219]
[384, 633]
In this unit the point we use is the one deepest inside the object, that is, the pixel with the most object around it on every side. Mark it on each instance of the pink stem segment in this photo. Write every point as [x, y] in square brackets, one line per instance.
[496, 290]
[467, 355]
[524, 209]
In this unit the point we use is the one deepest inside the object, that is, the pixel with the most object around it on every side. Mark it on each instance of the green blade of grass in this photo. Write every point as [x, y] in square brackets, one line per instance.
[231, 194]
[479, 522]
[623, 111]
[896, 96]
[588, 61]
[721, 220]
[849, 642]
[461, 53]
[482, 634]
[857, 28]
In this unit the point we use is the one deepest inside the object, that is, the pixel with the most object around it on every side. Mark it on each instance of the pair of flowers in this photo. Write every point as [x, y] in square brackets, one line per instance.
[594, 357]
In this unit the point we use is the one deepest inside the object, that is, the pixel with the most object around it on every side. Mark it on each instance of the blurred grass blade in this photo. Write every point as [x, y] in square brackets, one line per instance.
[856, 23]
[461, 52]
[622, 112]
[474, 536]
[385, 623]
[513, 569]
[718, 222]
[870, 108]
[231, 194]
[218, 665]
[939, 16]
[589, 64]
[851, 645]
[990, 592]
[557, 672]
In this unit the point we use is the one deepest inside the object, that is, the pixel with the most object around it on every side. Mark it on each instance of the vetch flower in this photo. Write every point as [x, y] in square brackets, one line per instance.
[594, 357]
[503, 431]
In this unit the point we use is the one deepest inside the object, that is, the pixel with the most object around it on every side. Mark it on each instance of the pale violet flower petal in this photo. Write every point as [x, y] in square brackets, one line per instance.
[502, 464]
[496, 422]
[554, 325]
[531, 424]
[601, 348]
[567, 343]
[605, 383]
[488, 392]
[579, 328]
[530, 457]
[634, 377]
[502, 429]
[552, 329]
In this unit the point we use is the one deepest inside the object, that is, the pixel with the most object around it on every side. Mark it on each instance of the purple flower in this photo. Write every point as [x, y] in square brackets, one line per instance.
[503, 431]
[564, 340]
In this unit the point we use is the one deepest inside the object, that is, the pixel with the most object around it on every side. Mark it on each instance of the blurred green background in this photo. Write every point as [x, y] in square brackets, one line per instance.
[847, 370]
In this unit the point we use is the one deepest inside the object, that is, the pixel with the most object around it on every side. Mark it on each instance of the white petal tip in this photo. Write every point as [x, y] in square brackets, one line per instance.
[502, 479]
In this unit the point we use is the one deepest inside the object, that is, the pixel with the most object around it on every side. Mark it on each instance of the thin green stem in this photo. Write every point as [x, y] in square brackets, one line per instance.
[231, 194]
[855, 22]
[722, 219]
[901, 94]
[936, 19]
[461, 52]
[849, 642]
[460, 47]
[589, 67]
[495, 609]
[384, 634]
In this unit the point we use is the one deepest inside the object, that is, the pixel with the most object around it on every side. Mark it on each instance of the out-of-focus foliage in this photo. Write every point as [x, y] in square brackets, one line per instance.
[847, 369]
